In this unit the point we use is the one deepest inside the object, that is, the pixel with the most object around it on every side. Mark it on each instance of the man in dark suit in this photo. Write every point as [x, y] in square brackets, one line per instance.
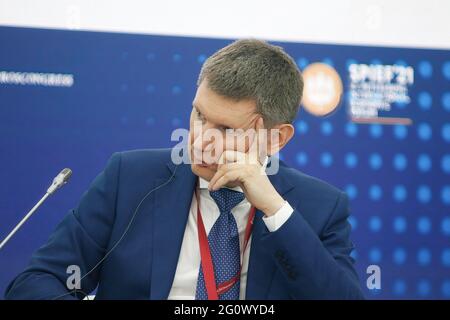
[217, 227]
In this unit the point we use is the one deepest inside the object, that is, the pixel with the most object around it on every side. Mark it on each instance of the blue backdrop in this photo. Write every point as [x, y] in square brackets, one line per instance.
[131, 91]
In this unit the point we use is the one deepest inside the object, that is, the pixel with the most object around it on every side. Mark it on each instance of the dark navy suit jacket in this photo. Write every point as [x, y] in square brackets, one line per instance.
[308, 257]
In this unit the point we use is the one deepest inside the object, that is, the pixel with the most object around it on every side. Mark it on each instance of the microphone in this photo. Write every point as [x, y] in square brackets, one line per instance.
[61, 179]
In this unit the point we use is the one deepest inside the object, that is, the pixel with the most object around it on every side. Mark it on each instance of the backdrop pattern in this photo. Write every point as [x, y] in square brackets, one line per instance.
[131, 91]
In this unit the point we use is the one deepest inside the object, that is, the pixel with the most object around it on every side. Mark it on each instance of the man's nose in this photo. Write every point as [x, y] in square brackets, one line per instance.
[209, 145]
[198, 132]
[202, 144]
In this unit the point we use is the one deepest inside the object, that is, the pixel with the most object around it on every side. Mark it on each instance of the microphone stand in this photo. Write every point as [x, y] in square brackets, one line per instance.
[60, 180]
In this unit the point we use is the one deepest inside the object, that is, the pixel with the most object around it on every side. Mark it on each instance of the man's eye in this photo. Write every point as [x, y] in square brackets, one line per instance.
[199, 116]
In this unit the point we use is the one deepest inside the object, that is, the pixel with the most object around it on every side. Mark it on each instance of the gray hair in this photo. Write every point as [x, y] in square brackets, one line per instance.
[254, 69]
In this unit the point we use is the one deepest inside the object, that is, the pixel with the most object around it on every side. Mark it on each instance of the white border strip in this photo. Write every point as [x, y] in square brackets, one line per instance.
[398, 23]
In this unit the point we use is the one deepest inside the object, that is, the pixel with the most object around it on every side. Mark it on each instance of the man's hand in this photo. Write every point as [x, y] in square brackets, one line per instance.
[245, 170]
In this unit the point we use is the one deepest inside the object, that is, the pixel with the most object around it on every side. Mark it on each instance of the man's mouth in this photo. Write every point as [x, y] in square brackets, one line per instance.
[211, 166]
[200, 162]
[204, 165]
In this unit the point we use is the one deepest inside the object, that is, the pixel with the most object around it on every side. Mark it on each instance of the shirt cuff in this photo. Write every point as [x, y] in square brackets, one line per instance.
[275, 221]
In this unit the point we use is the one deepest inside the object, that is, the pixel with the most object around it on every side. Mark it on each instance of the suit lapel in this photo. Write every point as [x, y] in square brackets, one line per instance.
[261, 268]
[172, 204]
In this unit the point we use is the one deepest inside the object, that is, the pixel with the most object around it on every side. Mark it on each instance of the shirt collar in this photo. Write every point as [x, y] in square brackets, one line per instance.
[203, 184]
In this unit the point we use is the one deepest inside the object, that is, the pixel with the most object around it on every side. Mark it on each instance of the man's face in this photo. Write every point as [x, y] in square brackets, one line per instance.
[212, 111]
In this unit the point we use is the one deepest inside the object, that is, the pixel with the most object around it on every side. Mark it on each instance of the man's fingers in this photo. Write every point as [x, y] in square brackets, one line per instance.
[223, 170]
[229, 156]
[224, 178]
[254, 150]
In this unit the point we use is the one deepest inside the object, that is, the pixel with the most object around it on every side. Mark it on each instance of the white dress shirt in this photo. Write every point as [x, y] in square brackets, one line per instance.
[184, 284]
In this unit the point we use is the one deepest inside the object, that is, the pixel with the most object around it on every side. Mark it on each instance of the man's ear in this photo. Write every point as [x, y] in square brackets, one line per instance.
[278, 136]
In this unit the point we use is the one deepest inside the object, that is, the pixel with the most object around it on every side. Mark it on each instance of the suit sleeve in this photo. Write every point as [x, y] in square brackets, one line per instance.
[316, 267]
[80, 240]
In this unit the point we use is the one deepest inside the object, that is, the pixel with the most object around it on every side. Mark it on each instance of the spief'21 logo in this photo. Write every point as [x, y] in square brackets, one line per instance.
[323, 89]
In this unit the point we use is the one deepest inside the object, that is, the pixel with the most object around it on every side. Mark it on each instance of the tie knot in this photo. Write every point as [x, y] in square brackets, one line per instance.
[226, 199]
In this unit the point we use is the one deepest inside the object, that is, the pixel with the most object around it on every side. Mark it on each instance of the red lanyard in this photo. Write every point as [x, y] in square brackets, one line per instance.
[206, 259]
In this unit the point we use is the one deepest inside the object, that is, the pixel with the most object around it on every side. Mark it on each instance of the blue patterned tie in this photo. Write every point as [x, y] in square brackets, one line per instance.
[223, 242]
